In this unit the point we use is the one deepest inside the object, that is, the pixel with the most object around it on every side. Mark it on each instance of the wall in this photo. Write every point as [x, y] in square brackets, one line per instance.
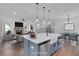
[1, 30]
[28, 12]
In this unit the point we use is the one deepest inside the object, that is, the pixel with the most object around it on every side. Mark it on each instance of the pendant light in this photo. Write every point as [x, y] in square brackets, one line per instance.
[68, 17]
[49, 23]
[15, 14]
[37, 19]
[43, 14]
[49, 18]
[53, 23]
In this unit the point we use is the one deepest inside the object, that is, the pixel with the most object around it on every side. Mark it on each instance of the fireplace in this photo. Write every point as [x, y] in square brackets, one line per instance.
[18, 30]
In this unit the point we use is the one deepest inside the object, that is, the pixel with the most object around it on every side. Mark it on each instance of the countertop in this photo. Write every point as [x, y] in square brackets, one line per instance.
[42, 37]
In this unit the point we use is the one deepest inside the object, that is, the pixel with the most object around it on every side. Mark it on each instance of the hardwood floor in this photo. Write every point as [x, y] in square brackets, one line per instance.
[67, 50]
[12, 49]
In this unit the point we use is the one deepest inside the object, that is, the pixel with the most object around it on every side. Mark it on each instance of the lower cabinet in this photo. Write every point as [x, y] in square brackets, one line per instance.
[26, 47]
[54, 47]
[33, 49]
[44, 49]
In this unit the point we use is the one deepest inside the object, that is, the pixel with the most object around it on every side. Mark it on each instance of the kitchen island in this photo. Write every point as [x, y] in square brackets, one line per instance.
[42, 45]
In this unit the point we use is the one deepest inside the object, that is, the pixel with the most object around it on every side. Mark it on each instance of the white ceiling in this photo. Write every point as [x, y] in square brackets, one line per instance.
[27, 11]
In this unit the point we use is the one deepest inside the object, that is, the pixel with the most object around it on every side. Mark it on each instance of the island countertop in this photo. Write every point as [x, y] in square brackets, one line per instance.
[42, 37]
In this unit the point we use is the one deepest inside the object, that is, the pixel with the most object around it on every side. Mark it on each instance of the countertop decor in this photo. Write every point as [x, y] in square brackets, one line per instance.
[32, 34]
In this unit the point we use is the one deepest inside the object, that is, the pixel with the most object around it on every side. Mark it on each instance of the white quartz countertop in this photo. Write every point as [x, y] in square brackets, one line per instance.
[42, 37]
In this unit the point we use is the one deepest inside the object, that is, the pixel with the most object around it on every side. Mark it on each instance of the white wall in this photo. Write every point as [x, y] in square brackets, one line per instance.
[1, 30]
[28, 12]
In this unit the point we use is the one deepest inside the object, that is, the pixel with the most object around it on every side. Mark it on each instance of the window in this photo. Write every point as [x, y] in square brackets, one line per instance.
[7, 27]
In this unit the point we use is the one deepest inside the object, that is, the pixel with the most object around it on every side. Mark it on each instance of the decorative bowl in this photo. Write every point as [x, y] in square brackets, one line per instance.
[32, 34]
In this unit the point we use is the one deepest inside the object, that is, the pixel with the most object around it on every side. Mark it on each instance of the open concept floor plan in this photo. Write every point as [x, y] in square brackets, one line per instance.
[39, 29]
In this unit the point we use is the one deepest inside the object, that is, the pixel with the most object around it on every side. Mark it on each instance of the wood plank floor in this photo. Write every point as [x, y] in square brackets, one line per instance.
[12, 49]
[67, 50]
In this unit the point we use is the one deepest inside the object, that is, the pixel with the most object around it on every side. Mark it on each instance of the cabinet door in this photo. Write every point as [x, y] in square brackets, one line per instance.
[33, 49]
[44, 49]
[54, 47]
[26, 47]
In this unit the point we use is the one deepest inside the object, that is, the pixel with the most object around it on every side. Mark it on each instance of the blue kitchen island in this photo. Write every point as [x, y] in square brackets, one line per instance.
[42, 45]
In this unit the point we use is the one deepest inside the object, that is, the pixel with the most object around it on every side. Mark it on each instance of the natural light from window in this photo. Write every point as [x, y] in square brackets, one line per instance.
[7, 27]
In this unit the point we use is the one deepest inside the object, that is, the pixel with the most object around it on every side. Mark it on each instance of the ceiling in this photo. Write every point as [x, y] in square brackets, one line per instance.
[27, 11]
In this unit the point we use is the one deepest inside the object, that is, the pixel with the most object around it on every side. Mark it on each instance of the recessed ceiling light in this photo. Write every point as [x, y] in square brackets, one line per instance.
[14, 13]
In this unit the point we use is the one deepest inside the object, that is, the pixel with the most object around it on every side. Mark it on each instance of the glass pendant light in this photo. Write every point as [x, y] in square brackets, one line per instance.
[44, 21]
[49, 18]
[15, 14]
[37, 12]
[43, 14]
[37, 19]
[49, 23]
[68, 17]
[53, 23]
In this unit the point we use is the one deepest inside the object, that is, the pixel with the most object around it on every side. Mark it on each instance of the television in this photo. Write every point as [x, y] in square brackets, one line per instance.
[18, 24]
[69, 26]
